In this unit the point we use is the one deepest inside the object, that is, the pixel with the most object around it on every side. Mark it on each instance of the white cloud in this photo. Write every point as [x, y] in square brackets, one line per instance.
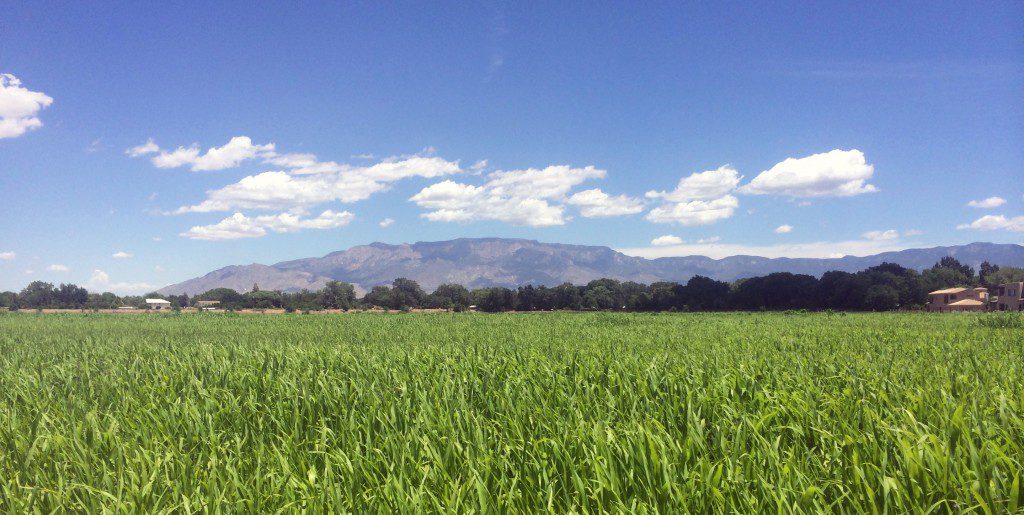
[387, 222]
[29, 272]
[149, 147]
[710, 239]
[529, 197]
[159, 269]
[58, 268]
[989, 203]
[7, 256]
[157, 238]
[824, 249]
[668, 239]
[912, 232]
[699, 199]
[839, 173]
[996, 223]
[100, 282]
[292, 160]
[239, 226]
[282, 190]
[890, 234]
[236, 151]
[595, 203]
[695, 212]
[122, 255]
[784, 229]
[711, 184]
[19, 107]
[479, 165]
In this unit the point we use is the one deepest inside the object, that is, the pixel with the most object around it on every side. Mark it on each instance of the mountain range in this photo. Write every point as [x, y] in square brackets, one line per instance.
[483, 262]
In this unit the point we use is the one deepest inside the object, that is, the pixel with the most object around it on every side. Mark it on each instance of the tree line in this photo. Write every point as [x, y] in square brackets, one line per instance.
[884, 287]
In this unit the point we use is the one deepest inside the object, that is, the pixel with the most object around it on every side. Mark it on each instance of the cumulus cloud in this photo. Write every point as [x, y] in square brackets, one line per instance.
[695, 212]
[708, 185]
[996, 223]
[7, 256]
[532, 197]
[283, 190]
[100, 282]
[19, 107]
[58, 268]
[387, 222]
[784, 229]
[595, 203]
[989, 203]
[668, 239]
[233, 153]
[890, 234]
[699, 199]
[239, 226]
[122, 255]
[839, 173]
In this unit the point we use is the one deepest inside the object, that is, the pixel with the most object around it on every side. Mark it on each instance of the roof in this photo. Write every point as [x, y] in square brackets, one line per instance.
[947, 290]
[967, 302]
[157, 301]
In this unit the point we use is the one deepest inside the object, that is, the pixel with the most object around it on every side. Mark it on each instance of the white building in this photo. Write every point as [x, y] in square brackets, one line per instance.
[158, 304]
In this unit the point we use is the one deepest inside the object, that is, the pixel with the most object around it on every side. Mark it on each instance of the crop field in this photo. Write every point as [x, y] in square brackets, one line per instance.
[547, 412]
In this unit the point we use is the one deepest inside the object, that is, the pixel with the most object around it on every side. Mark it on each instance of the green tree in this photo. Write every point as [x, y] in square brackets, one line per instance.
[337, 295]
[599, 297]
[8, 299]
[882, 297]
[952, 263]
[379, 296]
[450, 296]
[37, 295]
[406, 293]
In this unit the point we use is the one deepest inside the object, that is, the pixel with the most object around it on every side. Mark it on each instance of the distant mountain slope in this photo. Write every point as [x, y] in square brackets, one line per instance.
[485, 262]
[242, 277]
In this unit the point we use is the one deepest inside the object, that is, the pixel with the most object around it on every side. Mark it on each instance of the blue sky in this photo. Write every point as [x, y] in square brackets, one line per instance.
[285, 132]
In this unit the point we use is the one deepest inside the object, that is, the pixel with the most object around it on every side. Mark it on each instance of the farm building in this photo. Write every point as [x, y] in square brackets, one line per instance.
[1007, 297]
[158, 304]
[207, 305]
[958, 299]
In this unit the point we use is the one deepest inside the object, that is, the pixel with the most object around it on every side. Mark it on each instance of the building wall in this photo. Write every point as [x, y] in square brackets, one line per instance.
[941, 302]
[1009, 297]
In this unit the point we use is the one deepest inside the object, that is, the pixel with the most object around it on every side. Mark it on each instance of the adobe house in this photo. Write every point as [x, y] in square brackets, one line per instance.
[1008, 297]
[958, 299]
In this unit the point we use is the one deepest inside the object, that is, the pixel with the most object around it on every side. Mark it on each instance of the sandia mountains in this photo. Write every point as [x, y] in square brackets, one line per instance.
[483, 262]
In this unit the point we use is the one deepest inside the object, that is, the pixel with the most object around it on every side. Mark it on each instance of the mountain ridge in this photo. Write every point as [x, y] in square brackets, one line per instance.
[511, 262]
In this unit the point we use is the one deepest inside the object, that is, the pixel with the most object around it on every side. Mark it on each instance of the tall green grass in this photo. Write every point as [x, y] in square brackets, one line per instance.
[865, 413]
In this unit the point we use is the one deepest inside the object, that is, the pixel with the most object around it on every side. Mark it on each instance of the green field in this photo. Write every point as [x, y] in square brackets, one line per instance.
[507, 413]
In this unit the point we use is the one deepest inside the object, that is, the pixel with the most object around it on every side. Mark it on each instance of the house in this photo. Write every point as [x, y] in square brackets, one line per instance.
[958, 299]
[1008, 297]
[207, 305]
[158, 304]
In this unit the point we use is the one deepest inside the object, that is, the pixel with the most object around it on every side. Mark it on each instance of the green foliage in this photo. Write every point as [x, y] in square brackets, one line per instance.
[337, 295]
[881, 297]
[1002, 320]
[553, 412]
